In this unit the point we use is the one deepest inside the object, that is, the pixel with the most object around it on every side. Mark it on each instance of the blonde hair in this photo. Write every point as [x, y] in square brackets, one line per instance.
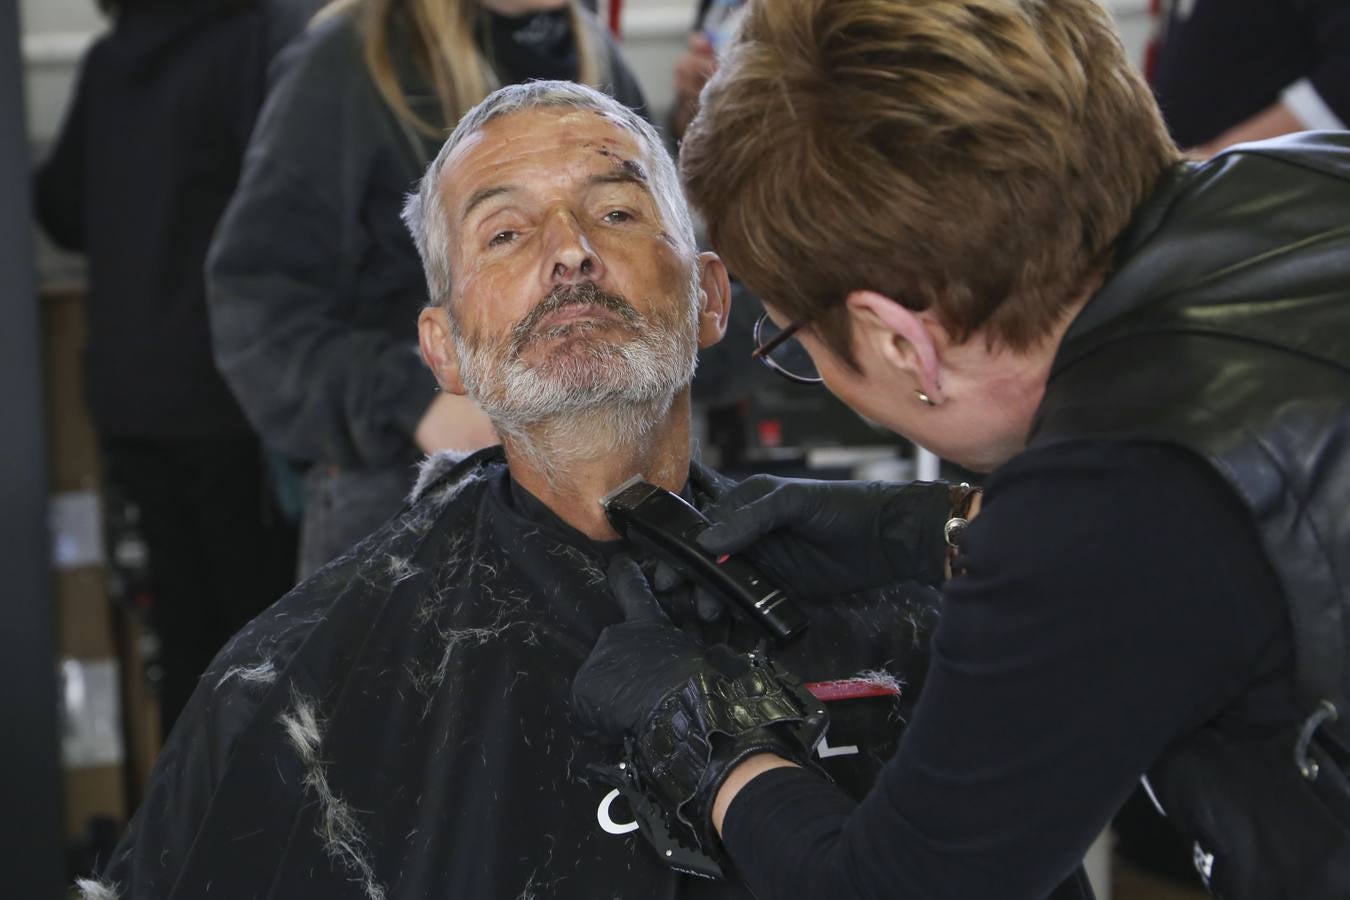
[976, 157]
[447, 53]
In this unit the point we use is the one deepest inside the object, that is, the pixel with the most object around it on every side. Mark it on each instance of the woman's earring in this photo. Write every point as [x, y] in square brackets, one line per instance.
[924, 398]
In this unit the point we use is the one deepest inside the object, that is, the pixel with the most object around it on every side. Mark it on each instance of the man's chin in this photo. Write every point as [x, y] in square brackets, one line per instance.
[583, 385]
[576, 359]
[575, 373]
[583, 341]
[596, 369]
[571, 390]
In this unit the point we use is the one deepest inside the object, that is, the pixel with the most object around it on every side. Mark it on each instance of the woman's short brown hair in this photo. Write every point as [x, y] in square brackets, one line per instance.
[978, 157]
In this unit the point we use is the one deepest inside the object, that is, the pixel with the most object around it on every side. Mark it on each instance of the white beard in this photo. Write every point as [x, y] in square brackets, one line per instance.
[596, 386]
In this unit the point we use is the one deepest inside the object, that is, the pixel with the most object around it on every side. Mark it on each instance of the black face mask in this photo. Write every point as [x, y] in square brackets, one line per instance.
[534, 45]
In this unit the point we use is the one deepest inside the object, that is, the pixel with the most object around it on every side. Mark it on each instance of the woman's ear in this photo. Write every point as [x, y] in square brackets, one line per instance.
[714, 299]
[899, 337]
[438, 348]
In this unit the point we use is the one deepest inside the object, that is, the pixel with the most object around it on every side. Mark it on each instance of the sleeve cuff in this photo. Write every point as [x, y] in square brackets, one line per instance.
[911, 531]
[1302, 99]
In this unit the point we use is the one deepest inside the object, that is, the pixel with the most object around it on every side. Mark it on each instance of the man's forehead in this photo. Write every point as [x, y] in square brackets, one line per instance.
[535, 136]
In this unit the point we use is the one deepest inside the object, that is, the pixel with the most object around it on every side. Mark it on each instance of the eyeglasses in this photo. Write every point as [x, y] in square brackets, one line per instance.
[779, 349]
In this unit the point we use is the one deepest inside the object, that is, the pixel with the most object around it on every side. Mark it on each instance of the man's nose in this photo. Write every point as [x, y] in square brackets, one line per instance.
[571, 258]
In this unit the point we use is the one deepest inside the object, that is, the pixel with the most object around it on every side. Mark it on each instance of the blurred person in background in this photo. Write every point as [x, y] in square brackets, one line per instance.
[726, 377]
[314, 282]
[140, 174]
[713, 26]
[1229, 71]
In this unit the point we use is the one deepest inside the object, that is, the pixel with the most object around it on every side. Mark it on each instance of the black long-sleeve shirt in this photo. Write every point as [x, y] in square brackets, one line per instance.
[1224, 61]
[1116, 597]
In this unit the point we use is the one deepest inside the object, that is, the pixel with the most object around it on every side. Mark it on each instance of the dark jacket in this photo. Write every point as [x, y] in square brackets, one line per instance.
[1233, 343]
[315, 284]
[399, 725]
[142, 170]
[1223, 61]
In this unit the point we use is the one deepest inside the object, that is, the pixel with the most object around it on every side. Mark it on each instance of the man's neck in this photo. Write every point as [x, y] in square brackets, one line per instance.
[570, 466]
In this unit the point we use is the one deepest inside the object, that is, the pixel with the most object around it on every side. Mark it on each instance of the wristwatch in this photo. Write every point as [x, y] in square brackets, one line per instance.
[962, 499]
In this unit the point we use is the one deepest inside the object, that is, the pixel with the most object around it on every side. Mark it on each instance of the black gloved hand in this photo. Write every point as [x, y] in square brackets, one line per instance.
[690, 714]
[820, 539]
[635, 664]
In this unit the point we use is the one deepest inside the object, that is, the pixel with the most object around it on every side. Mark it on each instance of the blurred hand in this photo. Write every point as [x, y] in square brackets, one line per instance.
[692, 71]
[696, 66]
[454, 422]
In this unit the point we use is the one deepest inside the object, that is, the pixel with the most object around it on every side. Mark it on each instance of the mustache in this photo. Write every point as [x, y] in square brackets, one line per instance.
[584, 294]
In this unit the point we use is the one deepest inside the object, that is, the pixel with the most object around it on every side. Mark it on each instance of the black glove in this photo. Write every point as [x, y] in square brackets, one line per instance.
[821, 539]
[689, 714]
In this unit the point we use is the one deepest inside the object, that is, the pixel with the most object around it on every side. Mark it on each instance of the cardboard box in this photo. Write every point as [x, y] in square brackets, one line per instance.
[93, 751]
[93, 793]
[84, 614]
[140, 712]
[92, 747]
[72, 446]
[93, 630]
[91, 720]
[75, 521]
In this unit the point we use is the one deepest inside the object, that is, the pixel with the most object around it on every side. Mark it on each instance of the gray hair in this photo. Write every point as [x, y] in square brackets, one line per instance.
[425, 215]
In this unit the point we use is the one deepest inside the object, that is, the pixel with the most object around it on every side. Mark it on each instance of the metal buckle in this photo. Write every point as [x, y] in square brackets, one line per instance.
[1308, 767]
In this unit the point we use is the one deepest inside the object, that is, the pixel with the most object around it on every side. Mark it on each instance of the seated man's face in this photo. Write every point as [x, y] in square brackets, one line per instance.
[568, 289]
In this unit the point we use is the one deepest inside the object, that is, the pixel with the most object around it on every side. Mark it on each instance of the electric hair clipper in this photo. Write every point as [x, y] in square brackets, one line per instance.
[664, 524]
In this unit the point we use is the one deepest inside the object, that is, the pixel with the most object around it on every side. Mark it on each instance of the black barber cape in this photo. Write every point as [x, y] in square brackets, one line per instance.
[398, 726]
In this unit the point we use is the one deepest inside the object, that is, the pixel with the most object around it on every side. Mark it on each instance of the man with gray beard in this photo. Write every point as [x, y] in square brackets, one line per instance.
[398, 726]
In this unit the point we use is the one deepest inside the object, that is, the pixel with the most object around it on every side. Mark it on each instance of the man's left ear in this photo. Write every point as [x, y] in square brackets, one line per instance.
[714, 305]
[902, 338]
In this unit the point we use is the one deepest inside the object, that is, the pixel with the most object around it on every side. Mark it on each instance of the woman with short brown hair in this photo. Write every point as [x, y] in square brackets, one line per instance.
[970, 216]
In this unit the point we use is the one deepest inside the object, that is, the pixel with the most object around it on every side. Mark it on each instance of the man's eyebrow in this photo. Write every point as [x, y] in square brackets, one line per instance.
[483, 195]
[627, 175]
[630, 174]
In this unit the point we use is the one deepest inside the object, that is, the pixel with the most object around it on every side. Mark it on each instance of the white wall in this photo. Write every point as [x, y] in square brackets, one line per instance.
[654, 34]
[55, 35]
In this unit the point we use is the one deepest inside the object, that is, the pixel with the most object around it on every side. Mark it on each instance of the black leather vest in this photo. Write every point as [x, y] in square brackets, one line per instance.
[1224, 329]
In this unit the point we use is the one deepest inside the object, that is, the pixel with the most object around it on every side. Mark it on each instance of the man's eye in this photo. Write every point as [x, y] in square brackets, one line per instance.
[615, 216]
[502, 237]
